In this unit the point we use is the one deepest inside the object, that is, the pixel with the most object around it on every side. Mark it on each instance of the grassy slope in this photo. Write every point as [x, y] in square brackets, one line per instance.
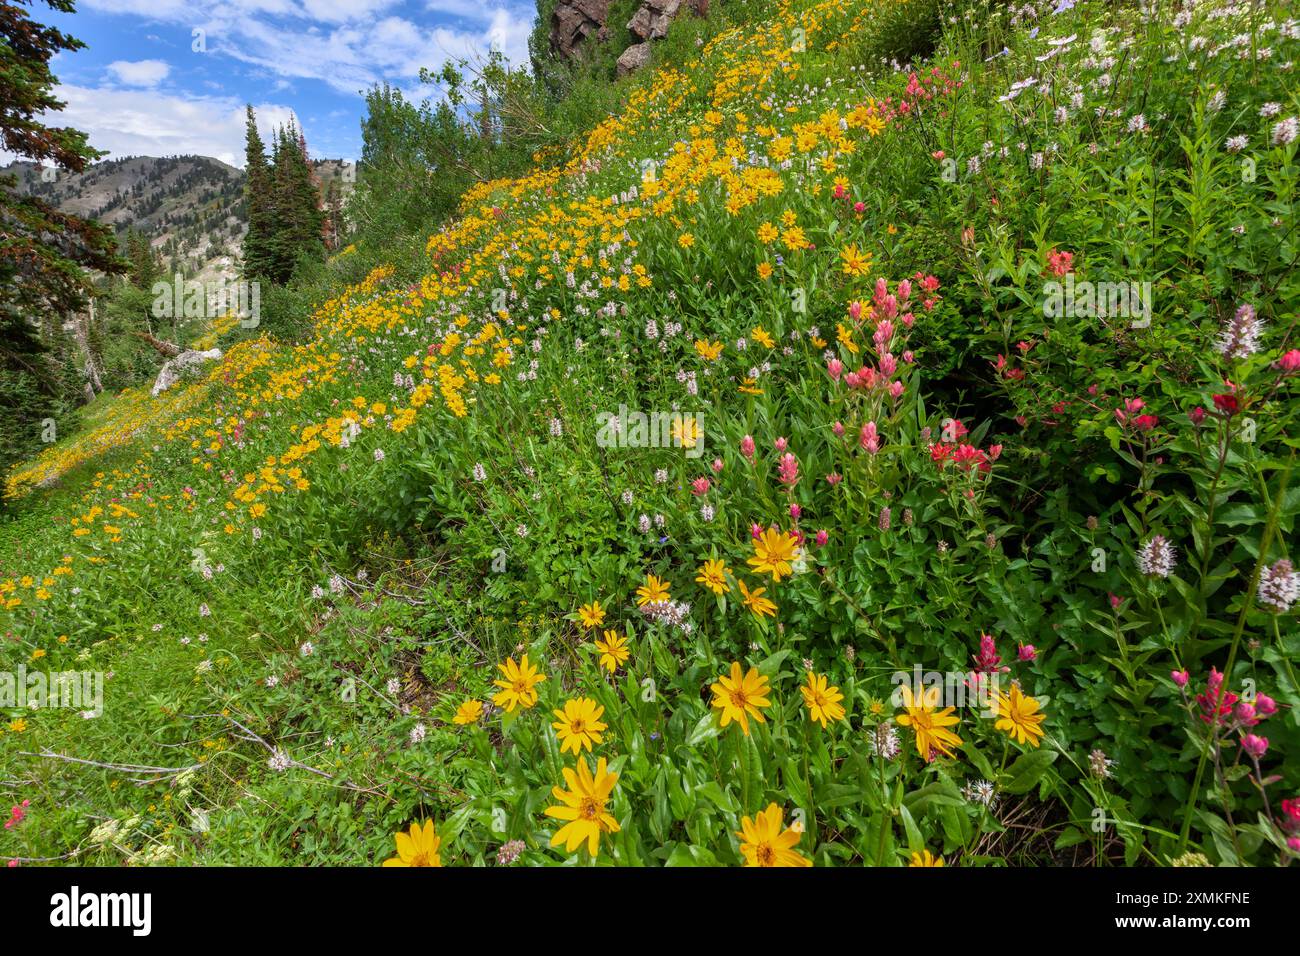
[268, 472]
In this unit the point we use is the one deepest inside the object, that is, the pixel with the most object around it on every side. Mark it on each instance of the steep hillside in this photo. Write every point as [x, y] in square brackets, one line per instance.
[870, 446]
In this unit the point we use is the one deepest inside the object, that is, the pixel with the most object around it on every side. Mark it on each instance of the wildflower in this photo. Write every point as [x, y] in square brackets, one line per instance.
[509, 852]
[1240, 336]
[579, 724]
[591, 615]
[1254, 745]
[883, 740]
[418, 733]
[821, 537]
[747, 447]
[1157, 557]
[1227, 403]
[583, 806]
[765, 843]
[1018, 716]
[713, 575]
[756, 602]
[1279, 586]
[1059, 263]
[774, 551]
[822, 701]
[982, 792]
[613, 651]
[279, 761]
[925, 858]
[419, 847]
[929, 725]
[468, 712]
[788, 470]
[1286, 131]
[654, 591]
[379, 454]
[480, 473]
[519, 687]
[740, 697]
[855, 263]
[1217, 702]
[1100, 764]
[1180, 678]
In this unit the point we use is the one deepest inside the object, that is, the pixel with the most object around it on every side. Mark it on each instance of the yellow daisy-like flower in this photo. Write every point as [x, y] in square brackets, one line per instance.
[931, 727]
[584, 806]
[764, 842]
[579, 725]
[765, 270]
[417, 848]
[591, 615]
[822, 700]
[686, 240]
[654, 591]
[468, 713]
[750, 387]
[613, 651]
[774, 551]
[686, 431]
[518, 689]
[1018, 715]
[741, 697]
[709, 351]
[855, 263]
[926, 858]
[767, 233]
[762, 337]
[713, 575]
[755, 601]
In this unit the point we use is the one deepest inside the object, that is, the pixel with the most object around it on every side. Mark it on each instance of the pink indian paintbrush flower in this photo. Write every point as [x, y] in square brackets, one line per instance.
[747, 447]
[822, 537]
[700, 487]
[788, 470]
[869, 438]
[1254, 745]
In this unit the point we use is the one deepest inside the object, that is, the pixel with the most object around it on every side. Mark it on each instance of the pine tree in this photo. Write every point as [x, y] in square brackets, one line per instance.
[43, 252]
[259, 255]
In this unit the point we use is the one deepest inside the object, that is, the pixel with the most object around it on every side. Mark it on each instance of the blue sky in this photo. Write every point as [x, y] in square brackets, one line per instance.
[142, 88]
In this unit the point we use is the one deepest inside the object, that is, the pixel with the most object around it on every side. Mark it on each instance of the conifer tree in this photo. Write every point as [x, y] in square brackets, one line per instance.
[259, 257]
[43, 252]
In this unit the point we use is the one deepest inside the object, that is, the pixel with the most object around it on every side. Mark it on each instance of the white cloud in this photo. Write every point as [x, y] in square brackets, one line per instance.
[139, 72]
[145, 123]
[349, 44]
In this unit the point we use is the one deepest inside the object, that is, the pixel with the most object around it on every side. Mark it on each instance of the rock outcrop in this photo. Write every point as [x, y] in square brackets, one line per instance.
[573, 21]
[634, 57]
[174, 368]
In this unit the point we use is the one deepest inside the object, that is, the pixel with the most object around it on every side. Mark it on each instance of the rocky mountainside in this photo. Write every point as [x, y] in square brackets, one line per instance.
[190, 207]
